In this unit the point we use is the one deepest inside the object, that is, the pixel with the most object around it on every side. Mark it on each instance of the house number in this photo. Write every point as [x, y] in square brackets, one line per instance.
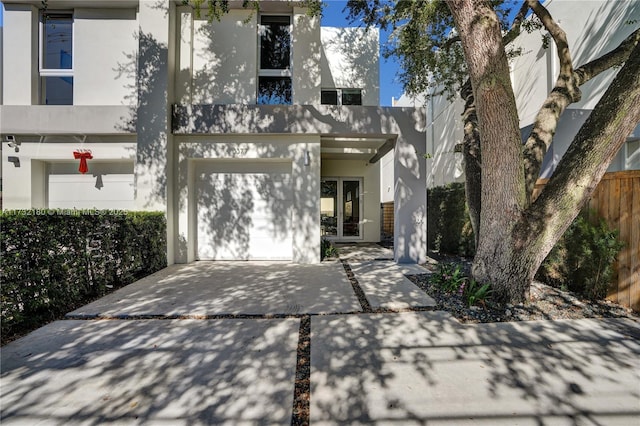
[239, 151]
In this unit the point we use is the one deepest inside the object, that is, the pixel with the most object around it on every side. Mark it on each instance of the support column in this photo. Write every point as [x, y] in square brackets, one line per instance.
[154, 169]
[410, 201]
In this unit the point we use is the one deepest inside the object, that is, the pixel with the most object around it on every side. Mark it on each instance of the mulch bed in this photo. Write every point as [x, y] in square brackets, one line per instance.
[546, 303]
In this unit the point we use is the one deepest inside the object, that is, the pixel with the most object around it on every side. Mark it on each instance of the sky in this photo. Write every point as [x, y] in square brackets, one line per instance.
[334, 16]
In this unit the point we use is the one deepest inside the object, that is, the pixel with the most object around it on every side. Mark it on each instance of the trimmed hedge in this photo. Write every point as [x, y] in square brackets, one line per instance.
[53, 261]
[448, 225]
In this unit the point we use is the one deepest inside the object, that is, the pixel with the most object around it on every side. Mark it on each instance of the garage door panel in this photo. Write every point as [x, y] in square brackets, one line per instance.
[244, 212]
[104, 191]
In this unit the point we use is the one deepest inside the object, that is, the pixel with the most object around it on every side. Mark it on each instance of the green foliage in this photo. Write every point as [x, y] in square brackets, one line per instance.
[582, 261]
[327, 249]
[448, 226]
[424, 39]
[52, 261]
[476, 293]
[450, 278]
[214, 9]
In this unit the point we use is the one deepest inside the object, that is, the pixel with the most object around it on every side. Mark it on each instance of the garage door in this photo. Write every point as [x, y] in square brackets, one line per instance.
[105, 186]
[244, 210]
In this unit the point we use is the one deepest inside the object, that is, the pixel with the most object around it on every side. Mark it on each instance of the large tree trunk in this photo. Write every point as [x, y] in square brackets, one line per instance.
[472, 160]
[503, 191]
[515, 236]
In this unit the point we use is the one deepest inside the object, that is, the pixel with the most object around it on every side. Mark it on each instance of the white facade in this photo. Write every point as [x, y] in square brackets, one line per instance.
[256, 134]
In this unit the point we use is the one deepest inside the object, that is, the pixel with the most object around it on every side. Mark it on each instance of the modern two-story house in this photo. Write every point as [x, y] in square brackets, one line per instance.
[257, 134]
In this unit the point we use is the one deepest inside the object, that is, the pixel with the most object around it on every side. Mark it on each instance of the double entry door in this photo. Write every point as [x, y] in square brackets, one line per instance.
[341, 208]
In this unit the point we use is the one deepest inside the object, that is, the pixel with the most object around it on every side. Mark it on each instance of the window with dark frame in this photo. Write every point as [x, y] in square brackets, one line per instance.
[56, 58]
[274, 79]
[329, 97]
[351, 97]
[341, 97]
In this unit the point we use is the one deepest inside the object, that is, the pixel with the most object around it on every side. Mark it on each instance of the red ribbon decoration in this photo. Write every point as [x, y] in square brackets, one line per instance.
[83, 156]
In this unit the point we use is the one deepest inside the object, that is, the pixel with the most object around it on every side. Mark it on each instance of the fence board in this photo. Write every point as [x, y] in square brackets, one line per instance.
[617, 200]
[634, 247]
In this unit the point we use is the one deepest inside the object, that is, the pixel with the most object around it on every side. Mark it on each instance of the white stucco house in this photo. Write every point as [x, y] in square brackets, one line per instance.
[593, 28]
[256, 134]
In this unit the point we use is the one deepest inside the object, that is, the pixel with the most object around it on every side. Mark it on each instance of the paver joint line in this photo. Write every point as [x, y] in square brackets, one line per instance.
[302, 389]
[362, 298]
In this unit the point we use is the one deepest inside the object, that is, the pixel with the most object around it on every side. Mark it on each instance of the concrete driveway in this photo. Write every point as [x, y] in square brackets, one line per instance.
[231, 288]
[243, 343]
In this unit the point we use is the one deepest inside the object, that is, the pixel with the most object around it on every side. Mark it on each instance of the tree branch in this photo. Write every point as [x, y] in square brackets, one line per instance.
[516, 25]
[612, 59]
[559, 37]
[589, 155]
[547, 119]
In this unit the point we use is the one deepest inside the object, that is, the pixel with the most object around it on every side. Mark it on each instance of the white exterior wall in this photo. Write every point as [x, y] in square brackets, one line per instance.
[350, 60]
[20, 55]
[223, 58]
[230, 148]
[370, 174]
[444, 131]
[103, 74]
[593, 28]
[24, 187]
[386, 178]
[306, 52]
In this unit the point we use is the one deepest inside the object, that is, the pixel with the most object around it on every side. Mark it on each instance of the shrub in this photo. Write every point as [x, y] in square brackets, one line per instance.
[476, 293]
[448, 225]
[327, 249]
[449, 277]
[582, 260]
[53, 261]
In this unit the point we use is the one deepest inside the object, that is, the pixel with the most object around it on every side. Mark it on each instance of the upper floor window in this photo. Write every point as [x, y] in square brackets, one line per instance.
[275, 42]
[56, 58]
[274, 79]
[341, 97]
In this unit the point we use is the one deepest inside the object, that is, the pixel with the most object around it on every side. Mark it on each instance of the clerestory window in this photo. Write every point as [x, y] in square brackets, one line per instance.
[341, 97]
[274, 79]
[56, 58]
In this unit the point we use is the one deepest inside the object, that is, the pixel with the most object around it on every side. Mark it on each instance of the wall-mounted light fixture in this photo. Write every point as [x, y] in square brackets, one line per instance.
[14, 160]
[307, 158]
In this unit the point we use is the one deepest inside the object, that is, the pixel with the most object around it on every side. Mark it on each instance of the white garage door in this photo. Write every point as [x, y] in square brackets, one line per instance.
[244, 210]
[105, 186]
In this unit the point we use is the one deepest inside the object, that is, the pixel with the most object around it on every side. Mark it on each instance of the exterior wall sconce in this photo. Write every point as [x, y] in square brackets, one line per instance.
[307, 158]
[14, 160]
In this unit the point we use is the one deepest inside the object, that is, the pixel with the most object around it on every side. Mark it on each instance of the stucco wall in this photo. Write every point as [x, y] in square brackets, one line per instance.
[104, 74]
[444, 131]
[224, 59]
[20, 55]
[350, 60]
[370, 174]
[306, 53]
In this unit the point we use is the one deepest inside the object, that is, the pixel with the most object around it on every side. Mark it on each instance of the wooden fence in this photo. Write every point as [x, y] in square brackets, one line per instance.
[617, 200]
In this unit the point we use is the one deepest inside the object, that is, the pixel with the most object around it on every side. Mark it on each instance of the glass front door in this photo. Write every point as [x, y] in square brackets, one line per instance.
[341, 208]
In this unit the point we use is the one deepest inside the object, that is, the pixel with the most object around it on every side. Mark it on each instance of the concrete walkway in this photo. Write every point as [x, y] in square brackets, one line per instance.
[239, 363]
